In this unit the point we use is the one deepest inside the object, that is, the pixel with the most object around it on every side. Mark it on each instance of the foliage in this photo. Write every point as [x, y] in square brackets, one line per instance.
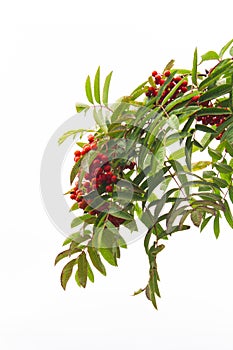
[118, 171]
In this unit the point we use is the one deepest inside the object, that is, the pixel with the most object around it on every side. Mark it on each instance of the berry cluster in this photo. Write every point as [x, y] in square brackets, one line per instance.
[159, 80]
[102, 176]
[210, 119]
[92, 145]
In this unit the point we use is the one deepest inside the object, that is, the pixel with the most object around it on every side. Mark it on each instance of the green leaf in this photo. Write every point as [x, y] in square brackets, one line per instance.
[231, 51]
[204, 128]
[205, 222]
[200, 165]
[216, 226]
[109, 255]
[79, 220]
[97, 86]
[194, 68]
[90, 273]
[214, 154]
[121, 214]
[96, 261]
[82, 269]
[225, 47]
[169, 65]
[74, 171]
[223, 168]
[231, 193]
[215, 92]
[71, 133]
[210, 55]
[65, 254]
[100, 119]
[188, 152]
[81, 107]
[228, 214]
[106, 88]
[67, 272]
[139, 291]
[220, 182]
[74, 206]
[173, 122]
[151, 81]
[89, 90]
[196, 217]
[76, 222]
[213, 111]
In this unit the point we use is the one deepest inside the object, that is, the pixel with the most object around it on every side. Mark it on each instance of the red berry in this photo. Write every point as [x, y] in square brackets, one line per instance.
[177, 79]
[107, 168]
[158, 78]
[76, 159]
[93, 145]
[90, 138]
[96, 162]
[167, 73]
[161, 82]
[72, 196]
[82, 204]
[109, 188]
[86, 184]
[184, 89]
[104, 158]
[195, 98]
[185, 83]
[77, 153]
[154, 73]
[87, 176]
[114, 179]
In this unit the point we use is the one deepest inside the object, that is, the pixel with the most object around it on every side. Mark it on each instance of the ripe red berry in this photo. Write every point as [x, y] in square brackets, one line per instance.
[167, 73]
[114, 179]
[161, 82]
[77, 153]
[184, 89]
[86, 184]
[107, 168]
[154, 73]
[82, 204]
[195, 98]
[90, 138]
[109, 188]
[177, 79]
[93, 145]
[158, 78]
[96, 162]
[104, 158]
[76, 159]
[185, 83]
[72, 196]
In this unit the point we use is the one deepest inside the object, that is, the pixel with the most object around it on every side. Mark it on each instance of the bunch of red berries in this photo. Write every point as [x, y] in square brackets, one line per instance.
[159, 80]
[211, 119]
[102, 176]
[92, 145]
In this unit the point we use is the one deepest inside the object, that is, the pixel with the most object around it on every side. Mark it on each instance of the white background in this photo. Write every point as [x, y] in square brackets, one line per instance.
[47, 49]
